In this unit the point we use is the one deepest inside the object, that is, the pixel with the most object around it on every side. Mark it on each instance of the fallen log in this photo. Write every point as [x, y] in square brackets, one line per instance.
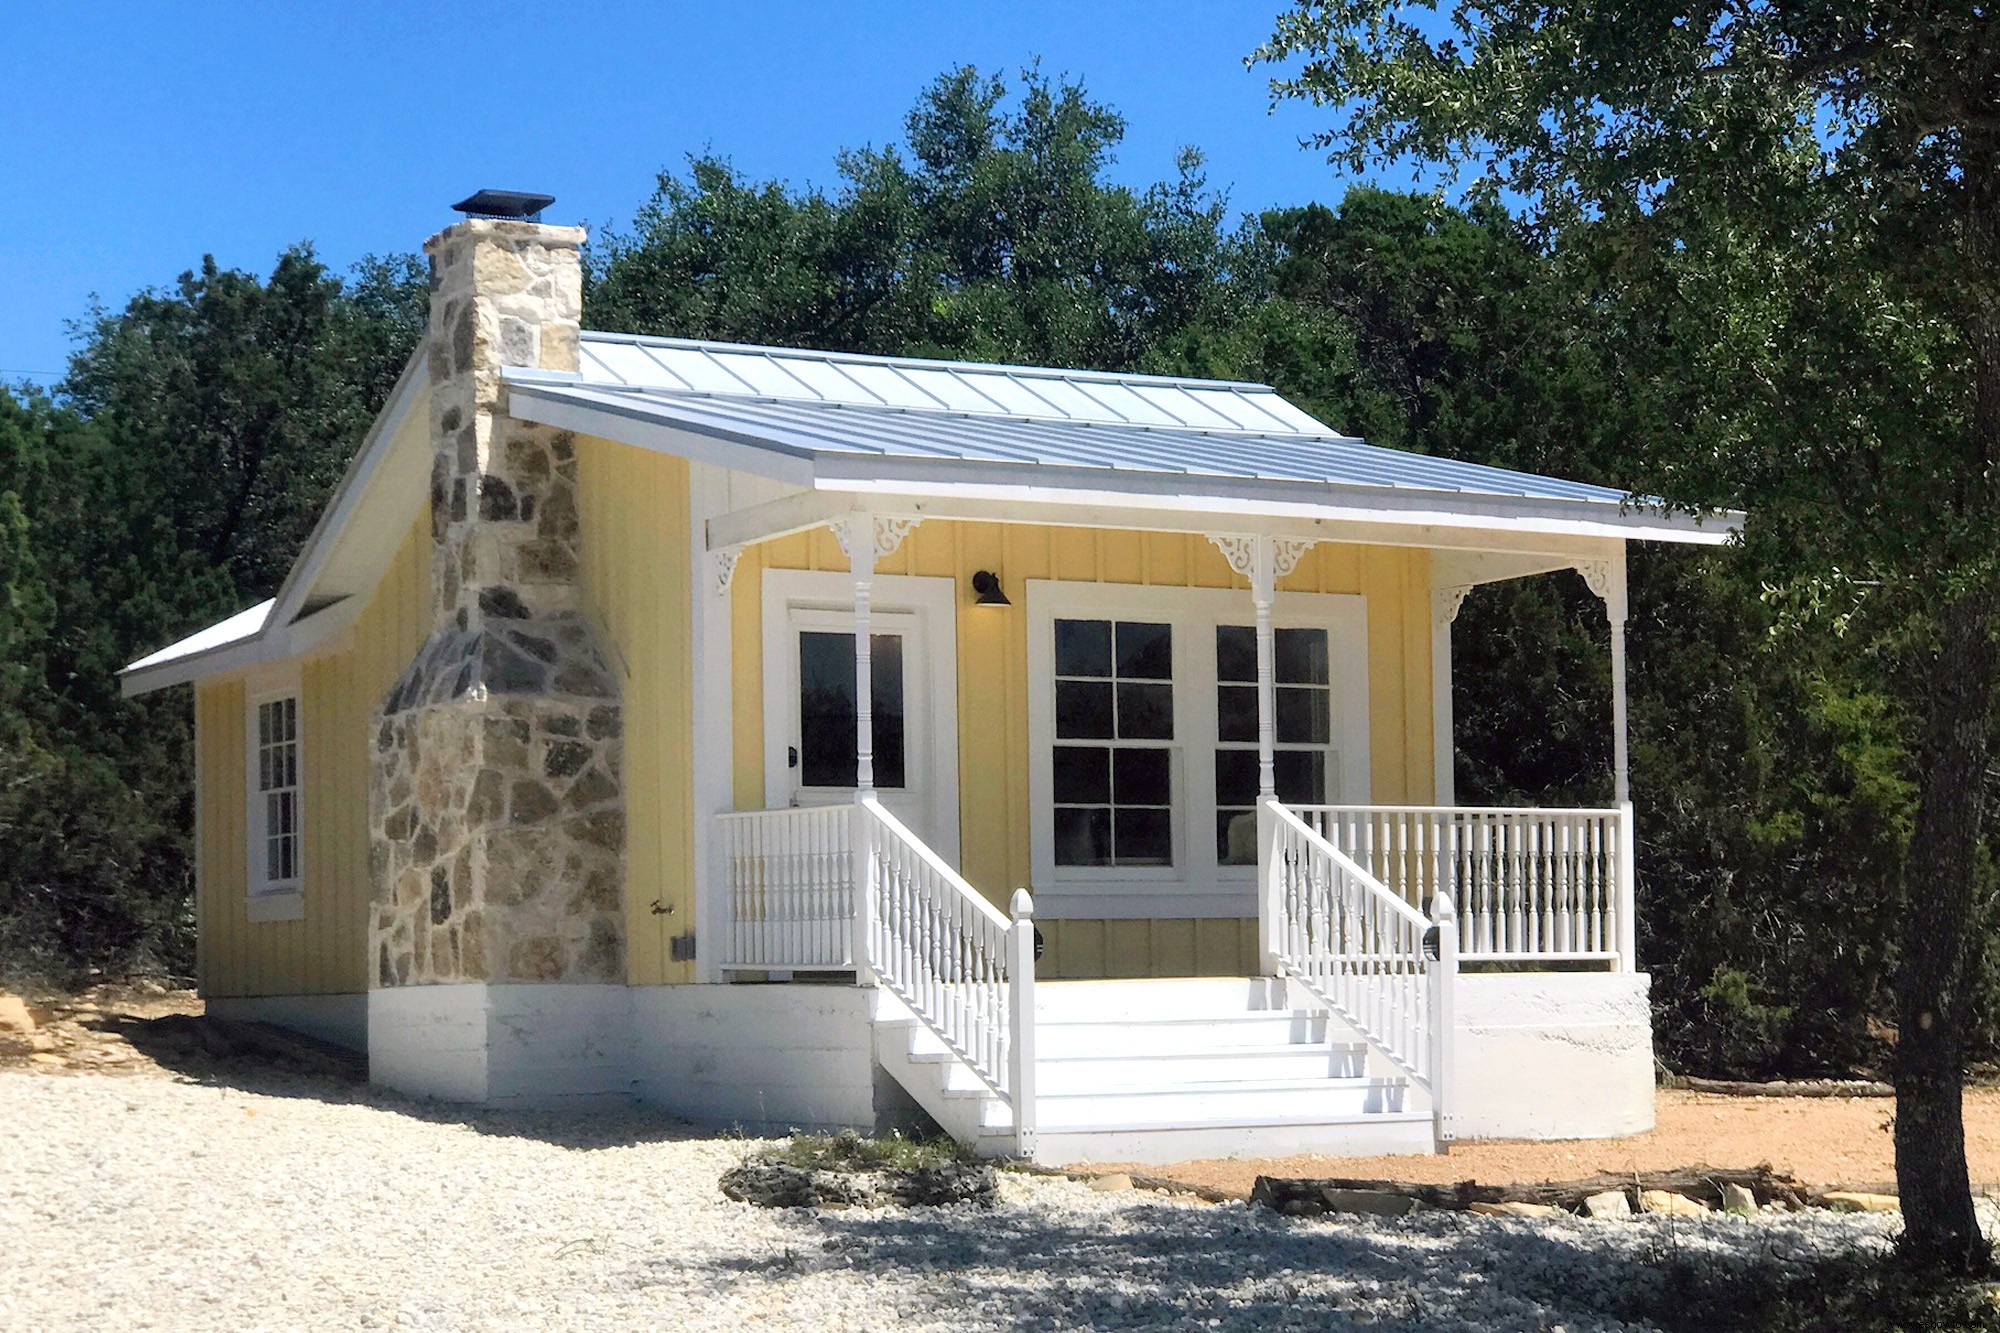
[1309, 1197]
[1818, 1087]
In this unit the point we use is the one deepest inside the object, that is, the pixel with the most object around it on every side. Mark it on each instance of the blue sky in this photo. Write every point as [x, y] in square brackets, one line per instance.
[138, 137]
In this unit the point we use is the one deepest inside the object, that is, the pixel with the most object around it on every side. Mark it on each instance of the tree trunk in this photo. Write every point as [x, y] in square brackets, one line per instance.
[1941, 882]
[1940, 1230]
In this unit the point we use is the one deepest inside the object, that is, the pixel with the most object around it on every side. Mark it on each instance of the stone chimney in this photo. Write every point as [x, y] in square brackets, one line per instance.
[495, 791]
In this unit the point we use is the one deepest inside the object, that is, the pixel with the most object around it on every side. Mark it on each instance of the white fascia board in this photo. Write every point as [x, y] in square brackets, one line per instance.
[224, 656]
[354, 488]
[1230, 497]
[629, 423]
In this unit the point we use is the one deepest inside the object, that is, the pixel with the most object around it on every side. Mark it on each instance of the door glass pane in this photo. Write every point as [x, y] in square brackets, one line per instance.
[827, 713]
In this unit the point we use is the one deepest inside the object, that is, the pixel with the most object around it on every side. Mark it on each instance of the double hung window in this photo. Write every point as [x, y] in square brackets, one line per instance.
[276, 814]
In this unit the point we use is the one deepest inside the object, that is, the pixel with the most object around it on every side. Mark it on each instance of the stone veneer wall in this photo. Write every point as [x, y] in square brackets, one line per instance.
[495, 786]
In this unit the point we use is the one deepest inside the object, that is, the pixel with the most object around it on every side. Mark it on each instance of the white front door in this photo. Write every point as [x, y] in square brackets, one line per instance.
[809, 716]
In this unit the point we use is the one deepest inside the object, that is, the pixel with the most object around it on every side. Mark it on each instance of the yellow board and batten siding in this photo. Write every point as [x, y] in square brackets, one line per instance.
[325, 952]
[635, 516]
[993, 699]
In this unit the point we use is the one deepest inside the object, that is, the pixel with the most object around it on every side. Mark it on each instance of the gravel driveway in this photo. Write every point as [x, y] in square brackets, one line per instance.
[155, 1203]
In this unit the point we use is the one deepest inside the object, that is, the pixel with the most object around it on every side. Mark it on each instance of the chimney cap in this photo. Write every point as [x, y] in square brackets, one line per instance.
[522, 204]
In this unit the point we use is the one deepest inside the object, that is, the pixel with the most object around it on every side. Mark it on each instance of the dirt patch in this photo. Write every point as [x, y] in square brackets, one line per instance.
[144, 1028]
[1823, 1141]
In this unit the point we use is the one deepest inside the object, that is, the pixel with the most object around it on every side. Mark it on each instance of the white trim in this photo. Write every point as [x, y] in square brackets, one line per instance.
[927, 607]
[320, 632]
[713, 699]
[1196, 886]
[263, 900]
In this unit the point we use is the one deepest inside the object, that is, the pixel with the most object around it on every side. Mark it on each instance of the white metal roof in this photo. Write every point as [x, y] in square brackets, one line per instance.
[807, 430]
[242, 626]
[684, 367]
[850, 425]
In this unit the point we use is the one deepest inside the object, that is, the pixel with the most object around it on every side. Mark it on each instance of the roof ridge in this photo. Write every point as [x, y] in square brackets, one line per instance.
[925, 362]
[528, 375]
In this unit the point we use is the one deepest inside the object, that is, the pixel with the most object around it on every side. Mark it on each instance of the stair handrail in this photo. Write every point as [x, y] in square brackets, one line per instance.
[1362, 951]
[959, 964]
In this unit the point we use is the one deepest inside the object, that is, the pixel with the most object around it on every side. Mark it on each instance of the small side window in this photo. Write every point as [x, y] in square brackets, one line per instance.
[276, 810]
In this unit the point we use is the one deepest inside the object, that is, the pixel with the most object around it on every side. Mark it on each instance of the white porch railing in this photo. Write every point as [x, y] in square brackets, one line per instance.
[1529, 885]
[1362, 951]
[788, 879]
[966, 972]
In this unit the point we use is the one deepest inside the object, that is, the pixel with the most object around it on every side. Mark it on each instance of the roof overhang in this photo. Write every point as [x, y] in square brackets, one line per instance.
[1045, 492]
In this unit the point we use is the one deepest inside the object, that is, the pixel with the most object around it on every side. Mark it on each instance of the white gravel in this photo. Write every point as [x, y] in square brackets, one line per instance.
[148, 1203]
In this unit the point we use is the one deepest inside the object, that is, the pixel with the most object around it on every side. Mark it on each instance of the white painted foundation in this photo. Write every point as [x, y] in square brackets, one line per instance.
[766, 1059]
[1553, 1055]
[340, 1020]
[502, 1045]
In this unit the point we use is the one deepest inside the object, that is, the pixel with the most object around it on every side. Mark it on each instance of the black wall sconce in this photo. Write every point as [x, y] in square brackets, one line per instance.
[986, 584]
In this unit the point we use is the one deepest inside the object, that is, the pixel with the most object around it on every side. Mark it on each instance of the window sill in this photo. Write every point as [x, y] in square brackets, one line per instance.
[278, 905]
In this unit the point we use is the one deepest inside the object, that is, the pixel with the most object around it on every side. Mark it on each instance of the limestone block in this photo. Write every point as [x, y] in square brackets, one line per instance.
[1610, 1204]
[1739, 1201]
[1671, 1204]
[1859, 1201]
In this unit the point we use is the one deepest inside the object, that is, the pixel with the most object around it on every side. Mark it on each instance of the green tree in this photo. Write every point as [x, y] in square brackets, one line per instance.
[1802, 201]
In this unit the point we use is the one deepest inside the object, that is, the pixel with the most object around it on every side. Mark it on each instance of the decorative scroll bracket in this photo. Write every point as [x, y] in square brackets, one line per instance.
[866, 538]
[1446, 601]
[1262, 560]
[725, 567]
[1606, 579]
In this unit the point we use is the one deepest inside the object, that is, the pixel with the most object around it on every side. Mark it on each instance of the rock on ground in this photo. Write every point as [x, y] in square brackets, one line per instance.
[307, 1203]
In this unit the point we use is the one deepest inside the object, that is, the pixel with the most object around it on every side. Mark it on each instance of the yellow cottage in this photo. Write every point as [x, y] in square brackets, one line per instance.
[791, 738]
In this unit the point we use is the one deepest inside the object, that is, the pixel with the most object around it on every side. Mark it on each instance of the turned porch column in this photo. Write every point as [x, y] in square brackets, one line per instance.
[1263, 561]
[1606, 578]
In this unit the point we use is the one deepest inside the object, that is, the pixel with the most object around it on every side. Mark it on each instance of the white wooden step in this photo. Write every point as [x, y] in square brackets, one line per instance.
[1171, 1105]
[1165, 1035]
[1353, 1136]
[1173, 997]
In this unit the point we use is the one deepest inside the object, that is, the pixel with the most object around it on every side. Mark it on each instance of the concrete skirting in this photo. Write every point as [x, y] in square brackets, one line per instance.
[340, 1020]
[1553, 1055]
[765, 1059]
[503, 1044]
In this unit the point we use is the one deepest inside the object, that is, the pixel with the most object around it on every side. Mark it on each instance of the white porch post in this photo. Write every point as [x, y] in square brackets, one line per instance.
[1263, 561]
[1445, 601]
[865, 539]
[1607, 579]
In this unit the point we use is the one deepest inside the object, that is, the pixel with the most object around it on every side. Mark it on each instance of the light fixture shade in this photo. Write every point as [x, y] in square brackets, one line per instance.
[987, 585]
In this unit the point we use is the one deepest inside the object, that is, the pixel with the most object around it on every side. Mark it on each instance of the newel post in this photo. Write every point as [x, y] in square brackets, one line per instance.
[1021, 1020]
[862, 840]
[1628, 892]
[1270, 887]
[1444, 1017]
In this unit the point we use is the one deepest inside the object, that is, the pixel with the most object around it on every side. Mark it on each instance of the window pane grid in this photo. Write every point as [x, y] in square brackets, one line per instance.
[278, 787]
[1303, 689]
[1114, 793]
